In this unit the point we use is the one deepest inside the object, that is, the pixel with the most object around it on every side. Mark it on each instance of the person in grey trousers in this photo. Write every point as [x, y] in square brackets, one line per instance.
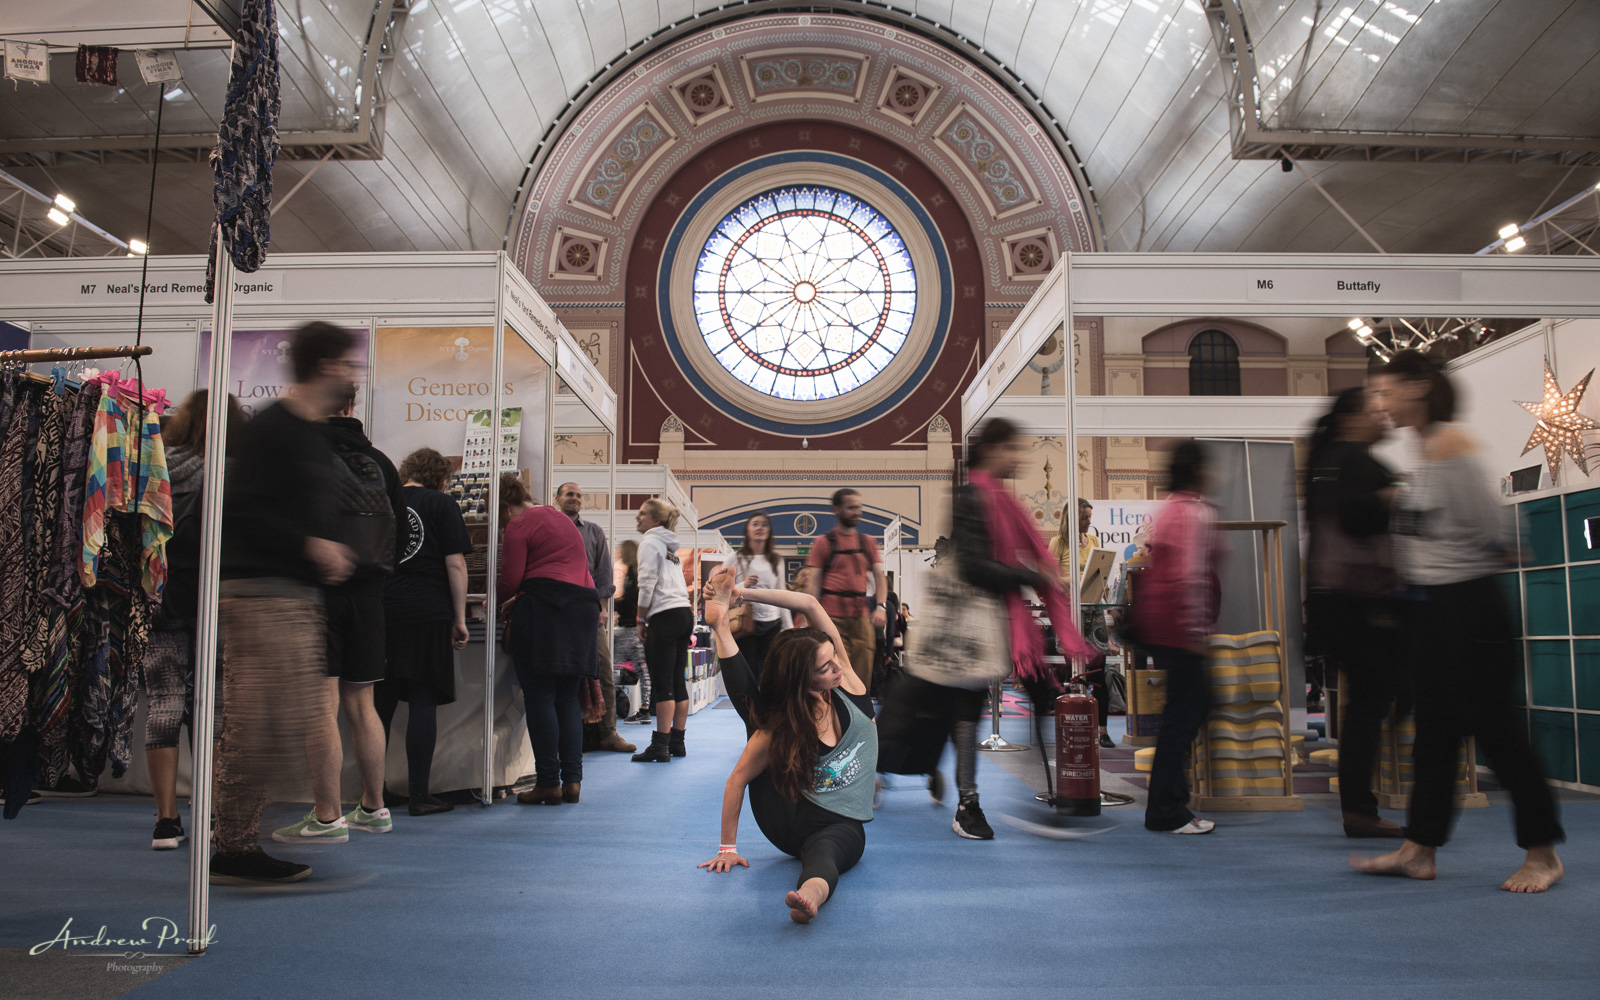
[569, 497]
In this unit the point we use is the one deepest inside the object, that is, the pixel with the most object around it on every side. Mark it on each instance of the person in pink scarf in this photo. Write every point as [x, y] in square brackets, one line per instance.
[1175, 608]
[998, 549]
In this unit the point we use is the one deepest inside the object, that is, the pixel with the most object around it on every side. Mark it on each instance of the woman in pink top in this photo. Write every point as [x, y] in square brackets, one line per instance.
[551, 633]
[1177, 601]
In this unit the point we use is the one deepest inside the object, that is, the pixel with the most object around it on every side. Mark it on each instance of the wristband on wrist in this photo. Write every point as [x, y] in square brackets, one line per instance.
[728, 849]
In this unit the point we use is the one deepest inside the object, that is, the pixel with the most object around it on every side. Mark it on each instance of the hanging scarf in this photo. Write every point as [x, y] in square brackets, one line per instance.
[1014, 538]
[247, 145]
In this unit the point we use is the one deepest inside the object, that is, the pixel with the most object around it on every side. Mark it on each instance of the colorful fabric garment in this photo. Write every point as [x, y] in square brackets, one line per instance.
[127, 471]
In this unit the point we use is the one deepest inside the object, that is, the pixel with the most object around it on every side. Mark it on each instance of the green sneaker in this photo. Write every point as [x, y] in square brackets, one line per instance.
[312, 831]
[369, 822]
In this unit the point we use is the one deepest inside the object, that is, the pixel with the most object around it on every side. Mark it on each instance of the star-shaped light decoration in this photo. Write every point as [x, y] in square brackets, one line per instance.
[1559, 427]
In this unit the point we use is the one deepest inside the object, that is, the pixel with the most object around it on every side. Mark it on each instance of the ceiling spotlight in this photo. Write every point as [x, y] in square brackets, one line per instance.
[1506, 232]
[1365, 331]
[137, 247]
[1355, 324]
[58, 217]
[1516, 243]
[66, 204]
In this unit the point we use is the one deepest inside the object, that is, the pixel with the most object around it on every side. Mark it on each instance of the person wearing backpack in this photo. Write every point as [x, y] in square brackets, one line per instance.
[369, 517]
[844, 558]
[279, 549]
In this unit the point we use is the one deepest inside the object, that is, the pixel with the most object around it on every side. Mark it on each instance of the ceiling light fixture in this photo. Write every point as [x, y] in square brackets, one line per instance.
[58, 217]
[1506, 232]
[1515, 243]
[1355, 324]
[66, 204]
[137, 247]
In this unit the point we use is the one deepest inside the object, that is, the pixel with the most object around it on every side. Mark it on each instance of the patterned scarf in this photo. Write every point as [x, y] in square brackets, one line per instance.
[247, 145]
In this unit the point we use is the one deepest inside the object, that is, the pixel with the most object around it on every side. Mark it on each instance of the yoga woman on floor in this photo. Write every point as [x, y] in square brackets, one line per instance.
[812, 751]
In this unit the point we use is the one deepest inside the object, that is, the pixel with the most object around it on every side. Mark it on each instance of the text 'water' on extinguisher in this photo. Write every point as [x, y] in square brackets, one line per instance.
[1077, 752]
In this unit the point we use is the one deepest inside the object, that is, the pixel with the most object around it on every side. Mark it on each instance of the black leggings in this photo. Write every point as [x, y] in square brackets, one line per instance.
[666, 652]
[422, 729]
[827, 844]
[1465, 664]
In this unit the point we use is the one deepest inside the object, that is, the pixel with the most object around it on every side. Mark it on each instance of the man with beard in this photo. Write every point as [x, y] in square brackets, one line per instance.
[843, 559]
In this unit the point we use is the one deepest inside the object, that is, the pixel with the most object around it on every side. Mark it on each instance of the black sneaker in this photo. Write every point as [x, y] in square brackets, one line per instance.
[936, 787]
[168, 833]
[969, 822]
[68, 788]
[1107, 742]
[254, 868]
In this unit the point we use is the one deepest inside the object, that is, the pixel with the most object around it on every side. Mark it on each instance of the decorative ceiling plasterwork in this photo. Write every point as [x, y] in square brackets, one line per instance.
[1017, 194]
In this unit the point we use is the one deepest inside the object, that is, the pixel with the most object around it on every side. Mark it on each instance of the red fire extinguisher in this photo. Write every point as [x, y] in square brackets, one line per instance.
[1077, 753]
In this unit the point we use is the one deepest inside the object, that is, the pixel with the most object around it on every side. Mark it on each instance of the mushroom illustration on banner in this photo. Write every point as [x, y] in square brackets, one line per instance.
[1558, 425]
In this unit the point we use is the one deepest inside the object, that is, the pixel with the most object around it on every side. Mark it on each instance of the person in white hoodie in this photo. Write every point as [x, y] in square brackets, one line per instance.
[666, 623]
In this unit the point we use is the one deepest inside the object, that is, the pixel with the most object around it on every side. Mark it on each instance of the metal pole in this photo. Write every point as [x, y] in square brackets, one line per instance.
[996, 742]
[491, 608]
[207, 646]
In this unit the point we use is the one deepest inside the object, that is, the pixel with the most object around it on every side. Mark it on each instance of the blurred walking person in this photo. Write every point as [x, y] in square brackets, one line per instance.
[845, 560]
[1175, 609]
[1352, 589]
[1450, 542]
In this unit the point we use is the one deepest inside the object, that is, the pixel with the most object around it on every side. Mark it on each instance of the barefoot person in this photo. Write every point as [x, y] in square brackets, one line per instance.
[812, 752]
[1450, 541]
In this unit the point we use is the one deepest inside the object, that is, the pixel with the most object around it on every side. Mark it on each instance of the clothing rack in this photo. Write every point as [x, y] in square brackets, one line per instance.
[73, 354]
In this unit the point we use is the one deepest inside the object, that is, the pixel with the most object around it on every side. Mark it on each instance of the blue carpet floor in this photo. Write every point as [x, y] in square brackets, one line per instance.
[602, 899]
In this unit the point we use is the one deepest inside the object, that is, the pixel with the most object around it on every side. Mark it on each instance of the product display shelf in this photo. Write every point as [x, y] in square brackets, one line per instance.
[1244, 757]
[1554, 596]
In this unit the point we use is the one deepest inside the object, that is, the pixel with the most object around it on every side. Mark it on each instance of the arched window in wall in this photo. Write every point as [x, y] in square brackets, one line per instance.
[1213, 365]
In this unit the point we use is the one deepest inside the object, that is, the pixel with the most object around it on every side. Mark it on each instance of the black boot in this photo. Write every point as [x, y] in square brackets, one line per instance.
[675, 743]
[656, 752]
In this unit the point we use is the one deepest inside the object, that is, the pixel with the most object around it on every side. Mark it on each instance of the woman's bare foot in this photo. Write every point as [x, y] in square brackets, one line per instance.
[1539, 872]
[804, 902]
[1412, 860]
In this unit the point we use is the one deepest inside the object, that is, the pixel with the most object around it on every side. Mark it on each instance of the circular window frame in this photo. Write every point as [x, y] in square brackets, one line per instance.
[796, 418]
[805, 292]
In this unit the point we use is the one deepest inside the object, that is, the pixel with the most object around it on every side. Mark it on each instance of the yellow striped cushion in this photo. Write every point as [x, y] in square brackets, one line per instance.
[1144, 758]
[1247, 786]
[1243, 668]
[1222, 768]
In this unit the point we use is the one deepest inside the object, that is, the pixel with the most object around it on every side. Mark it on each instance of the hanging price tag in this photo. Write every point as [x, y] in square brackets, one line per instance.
[27, 62]
[159, 67]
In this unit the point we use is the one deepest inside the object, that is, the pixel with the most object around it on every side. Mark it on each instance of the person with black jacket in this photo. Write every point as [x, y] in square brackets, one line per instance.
[355, 661]
[1352, 590]
[279, 549]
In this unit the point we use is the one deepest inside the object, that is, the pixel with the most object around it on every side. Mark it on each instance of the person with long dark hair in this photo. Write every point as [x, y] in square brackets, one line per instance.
[626, 644]
[666, 623]
[756, 565]
[1351, 593]
[1176, 606]
[1450, 542]
[996, 548]
[811, 753]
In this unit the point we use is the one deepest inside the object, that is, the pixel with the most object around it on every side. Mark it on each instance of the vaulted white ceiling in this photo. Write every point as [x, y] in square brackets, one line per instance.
[1139, 86]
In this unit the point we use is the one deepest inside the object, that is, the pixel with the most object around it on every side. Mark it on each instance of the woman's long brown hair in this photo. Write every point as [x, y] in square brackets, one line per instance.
[787, 721]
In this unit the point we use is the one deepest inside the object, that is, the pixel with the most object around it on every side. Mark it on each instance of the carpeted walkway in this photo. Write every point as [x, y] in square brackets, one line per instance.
[603, 900]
